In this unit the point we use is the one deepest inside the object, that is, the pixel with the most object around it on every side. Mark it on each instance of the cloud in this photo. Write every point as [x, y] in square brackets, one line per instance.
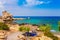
[9, 1]
[12, 7]
[35, 2]
[1, 6]
[6, 3]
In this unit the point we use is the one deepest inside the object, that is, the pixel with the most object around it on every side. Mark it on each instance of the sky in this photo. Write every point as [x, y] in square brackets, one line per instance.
[31, 7]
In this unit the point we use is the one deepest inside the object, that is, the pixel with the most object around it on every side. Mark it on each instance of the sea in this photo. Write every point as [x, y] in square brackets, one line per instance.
[38, 20]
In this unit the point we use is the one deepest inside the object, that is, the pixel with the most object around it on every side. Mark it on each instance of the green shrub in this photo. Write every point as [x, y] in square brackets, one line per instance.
[3, 26]
[59, 28]
[49, 34]
[59, 25]
[24, 28]
[46, 29]
[27, 29]
[21, 28]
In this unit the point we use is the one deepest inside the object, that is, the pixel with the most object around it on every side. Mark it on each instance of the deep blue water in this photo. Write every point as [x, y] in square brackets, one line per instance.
[53, 20]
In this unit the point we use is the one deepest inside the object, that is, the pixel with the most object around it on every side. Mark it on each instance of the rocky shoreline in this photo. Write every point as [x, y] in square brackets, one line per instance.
[19, 18]
[14, 31]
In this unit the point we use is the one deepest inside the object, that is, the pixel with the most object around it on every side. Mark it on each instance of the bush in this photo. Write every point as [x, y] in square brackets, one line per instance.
[24, 28]
[46, 29]
[3, 26]
[21, 28]
[59, 28]
[59, 25]
[27, 29]
[49, 34]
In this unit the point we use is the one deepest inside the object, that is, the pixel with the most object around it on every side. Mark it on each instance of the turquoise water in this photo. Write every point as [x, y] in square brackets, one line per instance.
[53, 21]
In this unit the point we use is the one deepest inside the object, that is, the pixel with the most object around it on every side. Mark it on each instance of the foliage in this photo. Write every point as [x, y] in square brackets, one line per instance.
[27, 29]
[49, 34]
[59, 28]
[59, 25]
[3, 26]
[58, 22]
[46, 29]
[22, 28]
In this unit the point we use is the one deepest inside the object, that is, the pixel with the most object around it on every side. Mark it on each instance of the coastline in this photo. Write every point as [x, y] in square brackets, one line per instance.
[41, 31]
[19, 18]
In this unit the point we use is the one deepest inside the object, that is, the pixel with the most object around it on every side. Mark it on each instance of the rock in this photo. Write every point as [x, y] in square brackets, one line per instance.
[14, 28]
[21, 37]
[45, 38]
[2, 35]
[6, 14]
[7, 17]
[35, 38]
[41, 38]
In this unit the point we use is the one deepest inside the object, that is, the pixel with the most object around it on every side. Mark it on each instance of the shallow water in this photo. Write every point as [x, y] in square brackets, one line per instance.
[53, 21]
